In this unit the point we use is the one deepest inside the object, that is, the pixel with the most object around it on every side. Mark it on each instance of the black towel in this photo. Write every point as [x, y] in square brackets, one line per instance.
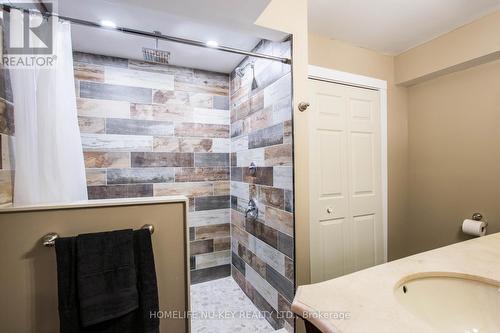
[106, 276]
[137, 321]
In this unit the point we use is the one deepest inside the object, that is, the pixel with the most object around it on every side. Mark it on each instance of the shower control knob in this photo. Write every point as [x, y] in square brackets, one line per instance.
[329, 210]
[303, 106]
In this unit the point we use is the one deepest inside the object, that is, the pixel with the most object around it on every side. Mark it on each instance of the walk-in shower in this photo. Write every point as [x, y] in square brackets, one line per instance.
[187, 116]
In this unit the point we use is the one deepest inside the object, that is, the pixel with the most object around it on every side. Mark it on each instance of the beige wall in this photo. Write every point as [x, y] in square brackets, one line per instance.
[28, 278]
[329, 53]
[467, 46]
[454, 156]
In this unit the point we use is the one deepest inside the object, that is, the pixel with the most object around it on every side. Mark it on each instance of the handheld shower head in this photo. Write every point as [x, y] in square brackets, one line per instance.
[241, 71]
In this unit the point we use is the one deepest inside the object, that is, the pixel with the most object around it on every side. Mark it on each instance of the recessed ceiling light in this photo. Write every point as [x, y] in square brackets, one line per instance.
[108, 24]
[212, 43]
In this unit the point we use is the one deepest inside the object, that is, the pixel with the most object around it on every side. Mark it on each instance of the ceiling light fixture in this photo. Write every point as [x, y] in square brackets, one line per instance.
[212, 43]
[108, 24]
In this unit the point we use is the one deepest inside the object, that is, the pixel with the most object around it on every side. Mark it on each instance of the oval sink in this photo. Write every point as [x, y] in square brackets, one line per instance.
[453, 303]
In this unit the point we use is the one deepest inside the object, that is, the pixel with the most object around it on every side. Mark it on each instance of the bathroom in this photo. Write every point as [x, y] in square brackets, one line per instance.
[200, 127]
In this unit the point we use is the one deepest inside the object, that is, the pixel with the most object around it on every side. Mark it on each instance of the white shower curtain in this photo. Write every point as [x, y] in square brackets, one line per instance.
[48, 149]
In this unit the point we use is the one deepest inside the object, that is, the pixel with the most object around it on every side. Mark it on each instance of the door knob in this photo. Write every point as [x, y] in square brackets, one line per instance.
[329, 210]
[303, 106]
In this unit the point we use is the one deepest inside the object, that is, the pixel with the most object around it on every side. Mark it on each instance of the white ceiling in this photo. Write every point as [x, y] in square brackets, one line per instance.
[228, 22]
[393, 26]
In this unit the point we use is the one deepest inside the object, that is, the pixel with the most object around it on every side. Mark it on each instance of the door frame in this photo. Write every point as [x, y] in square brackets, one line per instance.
[361, 81]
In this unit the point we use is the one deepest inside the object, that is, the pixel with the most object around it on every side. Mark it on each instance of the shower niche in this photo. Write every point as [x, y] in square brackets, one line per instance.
[170, 104]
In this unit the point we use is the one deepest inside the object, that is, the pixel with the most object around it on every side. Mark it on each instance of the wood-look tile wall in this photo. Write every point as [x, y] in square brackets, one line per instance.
[7, 132]
[261, 132]
[152, 130]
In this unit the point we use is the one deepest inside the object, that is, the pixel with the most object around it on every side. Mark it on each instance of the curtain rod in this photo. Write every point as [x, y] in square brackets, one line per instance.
[7, 7]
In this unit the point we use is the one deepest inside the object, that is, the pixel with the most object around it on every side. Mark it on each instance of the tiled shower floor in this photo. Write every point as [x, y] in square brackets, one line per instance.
[224, 295]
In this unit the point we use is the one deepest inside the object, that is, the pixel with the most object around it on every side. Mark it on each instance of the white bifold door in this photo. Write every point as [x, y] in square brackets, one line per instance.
[345, 190]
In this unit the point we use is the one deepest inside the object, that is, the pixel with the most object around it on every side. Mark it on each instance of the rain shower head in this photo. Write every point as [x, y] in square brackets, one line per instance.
[156, 55]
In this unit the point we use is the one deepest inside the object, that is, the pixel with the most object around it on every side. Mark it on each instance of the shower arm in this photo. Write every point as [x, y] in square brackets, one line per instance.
[8, 7]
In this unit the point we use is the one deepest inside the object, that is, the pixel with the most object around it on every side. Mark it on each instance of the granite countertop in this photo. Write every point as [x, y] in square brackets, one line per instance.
[367, 296]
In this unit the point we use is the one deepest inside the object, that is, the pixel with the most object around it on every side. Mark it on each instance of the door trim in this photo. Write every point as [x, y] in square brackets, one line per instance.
[334, 76]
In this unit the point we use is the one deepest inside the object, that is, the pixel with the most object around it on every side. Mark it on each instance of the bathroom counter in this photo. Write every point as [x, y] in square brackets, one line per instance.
[368, 297]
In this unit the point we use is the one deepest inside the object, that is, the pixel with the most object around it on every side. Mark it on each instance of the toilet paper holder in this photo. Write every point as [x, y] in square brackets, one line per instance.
[478, 217]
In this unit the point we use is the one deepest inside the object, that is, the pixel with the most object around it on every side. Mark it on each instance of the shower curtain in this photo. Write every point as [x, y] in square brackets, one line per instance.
[48, 150]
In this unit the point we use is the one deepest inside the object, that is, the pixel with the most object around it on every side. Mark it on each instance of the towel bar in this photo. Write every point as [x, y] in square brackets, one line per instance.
[49, 239]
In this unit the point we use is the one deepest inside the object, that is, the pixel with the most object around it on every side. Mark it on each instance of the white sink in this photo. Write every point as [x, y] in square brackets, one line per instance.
[452, 303]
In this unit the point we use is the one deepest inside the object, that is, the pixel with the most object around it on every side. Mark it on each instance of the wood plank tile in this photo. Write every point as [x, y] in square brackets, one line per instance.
[285, 309]
[211, 159]
[195, 145]
[278, 155]
[201, 174]
[289, 201]
[285, 244]
[102, 108]
[262, 286]
[139, 127]
[167, 144]
[95, 177]
[170, 97]
[279, 220]
[279, 90]
[201, 100]
[271, 196]
[222, 188]
[252, 260]
[221, 102]
[238, 263]
[6, 186]
[160, 68]
[266, 137]
[88, 72]
[138, 78]
[113, 142]
[262, 232]
[202, 130]
[201, 246]
[154, 159]
[212, 202]
[95, 59]
[7, 152]
[208, 217]
[287, 132]
[140, 175]
[115, 92]
[237, 219]
[209, 274]
[200, 189]
[120, 191]
[91, 125]
[213, 259]
[106, 160]
[210, 116]
[221, 244]
[212, 231]
[280, 283]
[289, 269]
[263, 176]
[283, 177]
[240, 190]
[6, 118]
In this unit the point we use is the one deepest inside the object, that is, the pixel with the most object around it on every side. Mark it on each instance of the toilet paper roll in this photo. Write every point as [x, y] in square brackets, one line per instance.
[474, 228]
